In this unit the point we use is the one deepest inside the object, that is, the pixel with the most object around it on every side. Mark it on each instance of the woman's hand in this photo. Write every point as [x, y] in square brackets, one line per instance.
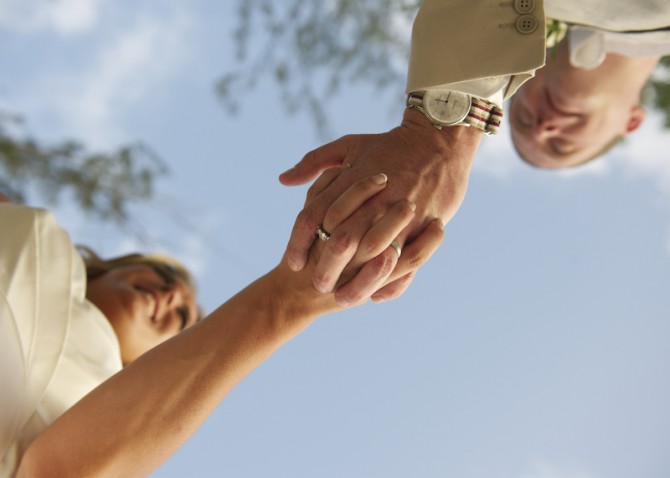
[376, 263]
[428, 166]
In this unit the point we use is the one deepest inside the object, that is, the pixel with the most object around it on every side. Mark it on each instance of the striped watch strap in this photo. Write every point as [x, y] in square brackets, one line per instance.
[484, 116]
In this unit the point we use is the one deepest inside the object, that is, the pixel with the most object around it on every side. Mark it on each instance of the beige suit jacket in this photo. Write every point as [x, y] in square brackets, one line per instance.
[463, 40]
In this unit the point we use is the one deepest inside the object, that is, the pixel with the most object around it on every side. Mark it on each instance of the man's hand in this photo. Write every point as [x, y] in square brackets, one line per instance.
[424, 165]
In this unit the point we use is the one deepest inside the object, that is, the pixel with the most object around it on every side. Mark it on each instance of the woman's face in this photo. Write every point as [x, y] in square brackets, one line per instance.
[146, 305]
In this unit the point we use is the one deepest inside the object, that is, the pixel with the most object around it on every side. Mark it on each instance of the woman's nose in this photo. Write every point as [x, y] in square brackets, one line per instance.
[170, 293]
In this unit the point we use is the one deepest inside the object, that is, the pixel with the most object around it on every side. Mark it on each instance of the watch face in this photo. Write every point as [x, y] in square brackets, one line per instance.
[446, 107]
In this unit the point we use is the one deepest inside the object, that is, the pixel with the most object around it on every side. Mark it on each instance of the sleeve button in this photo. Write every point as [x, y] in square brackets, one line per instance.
[526, 24]
[524, 7]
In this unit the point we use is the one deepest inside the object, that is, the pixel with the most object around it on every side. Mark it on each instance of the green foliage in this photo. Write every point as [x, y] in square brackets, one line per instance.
[311, 48]
[102, 184]
[658, 90]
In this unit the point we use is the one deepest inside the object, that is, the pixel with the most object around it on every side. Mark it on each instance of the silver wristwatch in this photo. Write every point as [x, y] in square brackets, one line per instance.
[453, 108]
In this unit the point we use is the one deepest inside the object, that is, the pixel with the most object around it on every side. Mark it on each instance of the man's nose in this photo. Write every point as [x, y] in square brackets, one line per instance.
[549, 124]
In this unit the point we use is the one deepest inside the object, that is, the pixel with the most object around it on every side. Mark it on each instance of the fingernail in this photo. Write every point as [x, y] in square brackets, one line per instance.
[378, 299]
[380, 178]
[287, 171]
[412, 206]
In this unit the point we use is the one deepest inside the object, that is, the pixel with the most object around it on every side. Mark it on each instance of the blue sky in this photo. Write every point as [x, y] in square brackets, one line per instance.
[533, 345]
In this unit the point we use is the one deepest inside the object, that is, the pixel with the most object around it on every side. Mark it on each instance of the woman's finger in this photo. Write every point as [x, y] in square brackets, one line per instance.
[377, 267]
[352, 199]
[340, 234]
[385, 231]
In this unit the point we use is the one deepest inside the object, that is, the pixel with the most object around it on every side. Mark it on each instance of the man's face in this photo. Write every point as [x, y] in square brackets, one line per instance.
[566, 115]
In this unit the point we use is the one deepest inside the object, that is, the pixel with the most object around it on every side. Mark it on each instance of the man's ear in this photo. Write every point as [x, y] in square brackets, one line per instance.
[637, 116]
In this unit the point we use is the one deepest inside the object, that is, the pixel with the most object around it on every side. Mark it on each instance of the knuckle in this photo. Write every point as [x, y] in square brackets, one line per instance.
[310, 156]
[382, 265]
[340, 242]
[305, 220]
[320, 280]
[312, 191]
[416, 260]
[372, 246]
[406, 210]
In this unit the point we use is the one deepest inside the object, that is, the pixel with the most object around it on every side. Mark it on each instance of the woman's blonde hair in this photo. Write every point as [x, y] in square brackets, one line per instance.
[166, 266]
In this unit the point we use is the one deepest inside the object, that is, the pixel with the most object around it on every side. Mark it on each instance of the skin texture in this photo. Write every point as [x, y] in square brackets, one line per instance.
[565, 116]
[134, 421]
[428, 166]
[144, 307]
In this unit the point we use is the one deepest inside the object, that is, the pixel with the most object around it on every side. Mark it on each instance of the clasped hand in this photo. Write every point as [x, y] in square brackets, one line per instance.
[424, 180]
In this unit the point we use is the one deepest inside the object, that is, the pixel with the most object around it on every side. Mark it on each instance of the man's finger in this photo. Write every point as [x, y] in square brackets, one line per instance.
[322, 182]
[394, 289]
[370, 277]
[417, 253]
[318, 160]
[414, 255]
[364, 236]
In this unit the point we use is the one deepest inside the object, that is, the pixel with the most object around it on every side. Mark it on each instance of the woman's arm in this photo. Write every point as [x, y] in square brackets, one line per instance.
[135, 420]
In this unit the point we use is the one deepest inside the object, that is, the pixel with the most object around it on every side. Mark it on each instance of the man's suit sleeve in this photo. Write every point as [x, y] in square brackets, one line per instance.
[462, 40]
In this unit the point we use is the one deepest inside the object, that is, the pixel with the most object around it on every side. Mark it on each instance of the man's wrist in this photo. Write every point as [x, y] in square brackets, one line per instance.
[445, 108]
[466, 136]
[456, 145]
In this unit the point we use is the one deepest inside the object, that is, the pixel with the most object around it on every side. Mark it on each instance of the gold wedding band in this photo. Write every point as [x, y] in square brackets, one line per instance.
[396, 246]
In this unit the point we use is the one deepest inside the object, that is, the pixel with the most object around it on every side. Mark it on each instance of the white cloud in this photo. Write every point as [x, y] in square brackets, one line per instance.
[496, 156]
[645, 154]
[89, 102]
[62, 16]
[642, 155]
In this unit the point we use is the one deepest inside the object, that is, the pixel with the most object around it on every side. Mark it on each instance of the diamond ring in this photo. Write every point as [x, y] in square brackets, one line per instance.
[322, 234]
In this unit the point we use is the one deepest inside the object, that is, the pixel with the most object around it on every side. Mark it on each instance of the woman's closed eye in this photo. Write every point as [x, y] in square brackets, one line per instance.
[184, 317]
